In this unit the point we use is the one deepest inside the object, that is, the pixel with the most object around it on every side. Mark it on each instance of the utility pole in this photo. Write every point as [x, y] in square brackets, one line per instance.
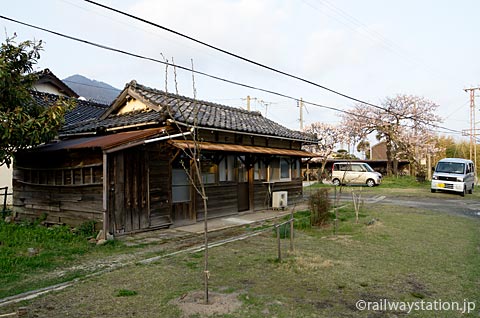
[473, 130]
[300, 104]
[415, 132]
[260, 101]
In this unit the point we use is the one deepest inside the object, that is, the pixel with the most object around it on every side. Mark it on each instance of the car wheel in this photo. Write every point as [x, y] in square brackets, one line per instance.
[433, 190]
[471, 190]
[370, 182]
[464, 191]
[336, 182]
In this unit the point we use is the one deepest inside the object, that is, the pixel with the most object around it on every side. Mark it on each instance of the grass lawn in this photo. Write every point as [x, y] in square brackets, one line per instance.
[405, 255]
[32, 256]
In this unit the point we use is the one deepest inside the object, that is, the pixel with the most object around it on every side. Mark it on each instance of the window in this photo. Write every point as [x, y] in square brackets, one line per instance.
[342, 167]
[358, 168]
[259, 171]
[242, 169]
[296, 169]
[226, 169]
[86, 175]
[208, 169]
[284, 169]
[180, 186]
[280, 169]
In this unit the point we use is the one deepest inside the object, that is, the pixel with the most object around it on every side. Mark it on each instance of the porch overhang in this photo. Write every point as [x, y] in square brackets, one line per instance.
[190, 144]
[107, 143]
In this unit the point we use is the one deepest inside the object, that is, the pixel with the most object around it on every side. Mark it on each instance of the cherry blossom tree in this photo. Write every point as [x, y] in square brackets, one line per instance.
[404, 122]
[329, 136]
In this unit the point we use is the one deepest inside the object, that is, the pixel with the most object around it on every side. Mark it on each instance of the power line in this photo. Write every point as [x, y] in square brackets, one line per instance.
[206, 74]
[232, 54]
[242, 57]
[170, 64]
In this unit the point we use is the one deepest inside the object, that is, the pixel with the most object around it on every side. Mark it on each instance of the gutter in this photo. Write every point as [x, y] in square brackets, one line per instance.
[112, 129]
[238, 132]
[144, 142]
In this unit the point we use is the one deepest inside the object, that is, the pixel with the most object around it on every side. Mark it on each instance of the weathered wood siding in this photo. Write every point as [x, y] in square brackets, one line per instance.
[160, 180]
[263, 201]
[128, 195]
[64, 187]
[70, 205]
[222, 200]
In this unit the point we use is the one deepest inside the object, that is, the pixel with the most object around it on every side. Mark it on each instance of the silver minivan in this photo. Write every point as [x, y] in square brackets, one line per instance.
[454, 174]
[355, 173]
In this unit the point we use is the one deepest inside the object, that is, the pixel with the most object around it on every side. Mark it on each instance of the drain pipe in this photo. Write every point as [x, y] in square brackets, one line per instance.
[105, 196]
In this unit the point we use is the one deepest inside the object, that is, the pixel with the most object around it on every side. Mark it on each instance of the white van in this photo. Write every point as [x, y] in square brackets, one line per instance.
[454, 174]
[355, 173]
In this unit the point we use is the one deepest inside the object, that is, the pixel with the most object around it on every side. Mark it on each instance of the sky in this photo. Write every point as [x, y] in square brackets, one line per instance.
[369, 50]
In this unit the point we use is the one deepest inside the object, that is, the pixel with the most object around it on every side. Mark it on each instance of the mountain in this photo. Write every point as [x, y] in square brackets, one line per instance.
[93, 90]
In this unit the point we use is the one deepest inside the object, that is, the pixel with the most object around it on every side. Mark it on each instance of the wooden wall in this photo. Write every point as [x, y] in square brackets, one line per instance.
[262, 200]
[64, 187]
[222, 200]
[68, 186]
[160, 180]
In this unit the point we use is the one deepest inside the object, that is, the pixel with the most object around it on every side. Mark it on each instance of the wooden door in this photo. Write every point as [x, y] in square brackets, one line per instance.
[129, 204]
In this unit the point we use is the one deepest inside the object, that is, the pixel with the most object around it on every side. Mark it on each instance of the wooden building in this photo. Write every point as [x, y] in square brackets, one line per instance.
[48, 83]
[131, 168]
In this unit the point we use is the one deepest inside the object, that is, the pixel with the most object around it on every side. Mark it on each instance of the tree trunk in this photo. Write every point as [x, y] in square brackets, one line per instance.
[395, 166]
[322, 169]
[389, 157]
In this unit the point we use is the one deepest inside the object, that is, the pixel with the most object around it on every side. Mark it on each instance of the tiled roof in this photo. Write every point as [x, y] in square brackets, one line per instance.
[114, 121]
[184, 110]
[83, 111]
[211, 115]
[47, 76]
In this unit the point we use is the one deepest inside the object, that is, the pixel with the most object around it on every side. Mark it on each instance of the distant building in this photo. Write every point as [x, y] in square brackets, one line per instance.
[49, 83]
[379, 151]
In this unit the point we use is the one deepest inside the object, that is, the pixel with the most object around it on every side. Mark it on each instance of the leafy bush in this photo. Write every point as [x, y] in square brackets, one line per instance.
[87, 229]
[284, 231]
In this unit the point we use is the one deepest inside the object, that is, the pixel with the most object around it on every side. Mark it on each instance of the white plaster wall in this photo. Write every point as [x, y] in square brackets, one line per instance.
[6, 181]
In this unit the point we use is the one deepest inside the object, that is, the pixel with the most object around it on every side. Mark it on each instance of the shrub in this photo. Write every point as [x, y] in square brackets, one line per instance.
[319, 207]
[87, 229]
[284, 231]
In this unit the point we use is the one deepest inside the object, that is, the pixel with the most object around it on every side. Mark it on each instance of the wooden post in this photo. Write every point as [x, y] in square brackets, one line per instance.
[291, 231]
[335, 211]
[278, 244]
[105, 196]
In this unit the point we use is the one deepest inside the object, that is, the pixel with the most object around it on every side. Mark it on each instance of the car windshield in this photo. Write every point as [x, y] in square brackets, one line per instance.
[450, 167]
[368, 168]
